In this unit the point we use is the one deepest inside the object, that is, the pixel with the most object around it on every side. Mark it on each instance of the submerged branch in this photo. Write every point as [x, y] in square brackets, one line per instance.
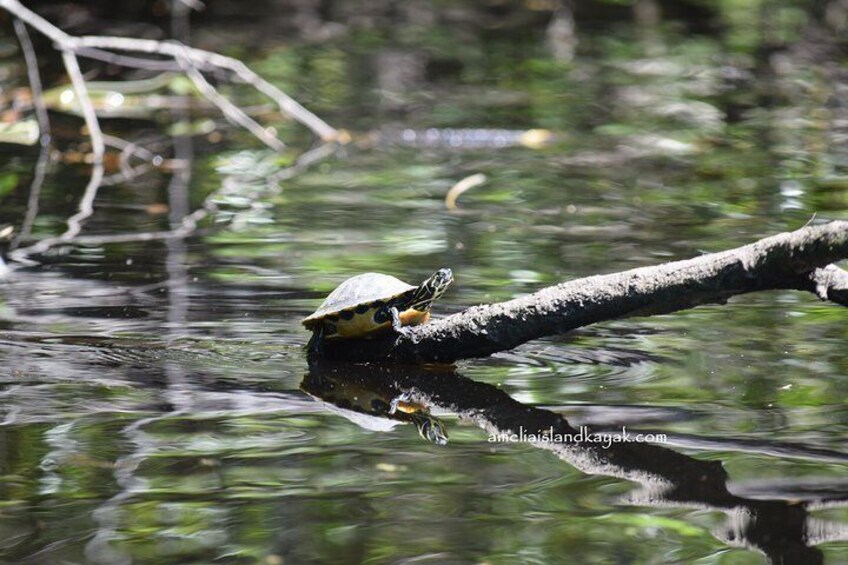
[799, 260]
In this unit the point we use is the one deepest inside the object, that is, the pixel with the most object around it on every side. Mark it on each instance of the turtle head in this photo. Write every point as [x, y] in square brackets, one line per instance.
[431, 289]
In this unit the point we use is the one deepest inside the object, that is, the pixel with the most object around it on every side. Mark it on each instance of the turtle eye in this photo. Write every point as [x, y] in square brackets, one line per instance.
[441, 280]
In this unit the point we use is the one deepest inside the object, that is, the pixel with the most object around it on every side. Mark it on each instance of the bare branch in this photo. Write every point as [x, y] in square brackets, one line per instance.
[830, 283]
[201, 59]
[43, 26]
[129, 61]
[233, 113]
[34, 193]
[86, 205]
[796, 260]
[44, 126]
[303, 162]
[205, 60]
[179, 57]
[34, 81]
[129, 150]
[187, 226]
[98, 147]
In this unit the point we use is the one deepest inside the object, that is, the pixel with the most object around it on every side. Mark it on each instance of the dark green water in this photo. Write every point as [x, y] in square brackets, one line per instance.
[151, 398]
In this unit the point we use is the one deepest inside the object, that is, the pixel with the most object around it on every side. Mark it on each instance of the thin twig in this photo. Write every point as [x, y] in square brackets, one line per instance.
[204, 60]
[128, 60]
[233, 113]
[306, 159]
[34, 81]
[187, 226]
[43, 118]
[134, 172]
[98, 147]
[86, 205]
[43, 26]
[34, 193]
[129, 150]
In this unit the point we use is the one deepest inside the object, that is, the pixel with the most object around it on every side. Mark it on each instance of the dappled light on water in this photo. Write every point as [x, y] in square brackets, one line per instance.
[155, 397]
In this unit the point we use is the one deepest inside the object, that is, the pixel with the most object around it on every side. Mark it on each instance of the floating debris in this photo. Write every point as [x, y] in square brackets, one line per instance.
[462, 186]
[24, 132]
[463, 138]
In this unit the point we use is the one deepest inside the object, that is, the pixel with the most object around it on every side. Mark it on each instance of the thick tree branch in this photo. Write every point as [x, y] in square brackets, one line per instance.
[798, 260]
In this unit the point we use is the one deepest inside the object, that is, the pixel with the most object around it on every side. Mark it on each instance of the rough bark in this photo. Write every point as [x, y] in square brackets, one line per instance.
[800, 260]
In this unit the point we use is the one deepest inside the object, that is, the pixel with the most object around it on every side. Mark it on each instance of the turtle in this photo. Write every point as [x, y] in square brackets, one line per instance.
[369, 304]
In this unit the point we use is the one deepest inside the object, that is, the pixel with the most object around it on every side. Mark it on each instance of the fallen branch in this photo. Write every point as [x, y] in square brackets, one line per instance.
[799, 260]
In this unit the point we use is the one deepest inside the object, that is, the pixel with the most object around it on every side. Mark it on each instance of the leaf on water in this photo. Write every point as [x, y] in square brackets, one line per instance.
[25, 132]
[189, 128]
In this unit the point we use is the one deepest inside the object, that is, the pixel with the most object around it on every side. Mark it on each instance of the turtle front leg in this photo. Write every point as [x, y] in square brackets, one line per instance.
[396, 323]
[398, 401]
[316, 342]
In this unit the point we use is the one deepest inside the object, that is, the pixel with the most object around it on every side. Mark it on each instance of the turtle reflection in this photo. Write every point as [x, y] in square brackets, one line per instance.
[373, 405]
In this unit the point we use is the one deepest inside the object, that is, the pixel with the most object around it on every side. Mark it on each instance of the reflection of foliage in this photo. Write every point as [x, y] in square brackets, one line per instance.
[319, 76]
[246, 187]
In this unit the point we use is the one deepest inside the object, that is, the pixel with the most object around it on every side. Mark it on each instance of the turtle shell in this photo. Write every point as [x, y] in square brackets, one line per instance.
[361, 290]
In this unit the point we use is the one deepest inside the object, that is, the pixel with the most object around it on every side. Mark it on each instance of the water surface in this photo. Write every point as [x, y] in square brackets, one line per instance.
[152, 394]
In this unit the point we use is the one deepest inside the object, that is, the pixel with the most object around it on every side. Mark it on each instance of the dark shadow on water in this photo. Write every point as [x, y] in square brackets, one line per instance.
[776, 525]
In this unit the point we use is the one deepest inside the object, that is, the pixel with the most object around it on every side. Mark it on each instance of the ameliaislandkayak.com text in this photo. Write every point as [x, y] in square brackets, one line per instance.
[583, 435]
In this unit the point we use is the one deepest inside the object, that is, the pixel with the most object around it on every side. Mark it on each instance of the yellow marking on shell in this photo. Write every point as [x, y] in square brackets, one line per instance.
[362, 325]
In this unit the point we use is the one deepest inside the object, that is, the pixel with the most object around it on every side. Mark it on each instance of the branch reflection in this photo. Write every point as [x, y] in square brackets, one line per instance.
[773, 523]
